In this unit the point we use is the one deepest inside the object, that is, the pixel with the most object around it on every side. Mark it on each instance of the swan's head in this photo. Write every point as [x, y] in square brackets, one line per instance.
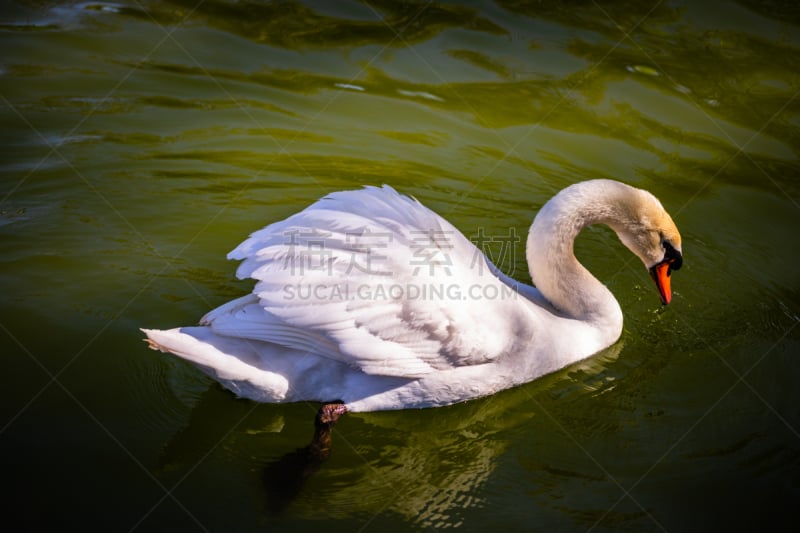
[648, 231]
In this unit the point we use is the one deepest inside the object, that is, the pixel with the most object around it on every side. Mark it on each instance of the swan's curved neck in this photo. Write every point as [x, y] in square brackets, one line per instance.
[555, 271]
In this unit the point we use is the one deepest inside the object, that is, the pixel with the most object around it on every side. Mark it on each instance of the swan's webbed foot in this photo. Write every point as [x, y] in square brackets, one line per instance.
[284, 478]
[326, 418]
[330, 413]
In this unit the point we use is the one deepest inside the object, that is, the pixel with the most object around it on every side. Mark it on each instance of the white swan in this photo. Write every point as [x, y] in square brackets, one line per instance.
[371, 299]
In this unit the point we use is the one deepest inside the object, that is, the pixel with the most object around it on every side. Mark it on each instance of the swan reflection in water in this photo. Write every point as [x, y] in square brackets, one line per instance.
[284, 478]
[427, 466]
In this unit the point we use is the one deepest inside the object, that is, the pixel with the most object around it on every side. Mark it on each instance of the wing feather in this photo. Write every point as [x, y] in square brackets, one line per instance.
[373, 279]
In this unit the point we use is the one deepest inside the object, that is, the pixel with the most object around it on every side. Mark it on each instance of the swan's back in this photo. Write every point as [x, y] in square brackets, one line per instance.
[377, 281]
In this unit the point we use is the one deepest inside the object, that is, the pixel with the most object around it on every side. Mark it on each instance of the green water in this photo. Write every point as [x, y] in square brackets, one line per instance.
[143, 140]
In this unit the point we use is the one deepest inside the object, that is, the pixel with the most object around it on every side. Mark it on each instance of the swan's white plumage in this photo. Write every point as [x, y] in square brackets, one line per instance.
[340, 272]
[371, 298]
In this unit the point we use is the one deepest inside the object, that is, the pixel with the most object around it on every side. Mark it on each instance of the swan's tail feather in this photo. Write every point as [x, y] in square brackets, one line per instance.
[180, 342]
[238, 364]
[152, 343]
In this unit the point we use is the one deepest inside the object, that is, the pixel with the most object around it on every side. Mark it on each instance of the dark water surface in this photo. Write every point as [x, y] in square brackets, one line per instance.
[143, 140]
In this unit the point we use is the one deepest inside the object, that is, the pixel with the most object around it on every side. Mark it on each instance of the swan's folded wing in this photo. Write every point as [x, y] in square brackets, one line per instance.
[377, 281]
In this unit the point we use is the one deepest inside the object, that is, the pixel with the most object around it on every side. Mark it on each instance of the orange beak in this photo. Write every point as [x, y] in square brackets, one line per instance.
[660, 274]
